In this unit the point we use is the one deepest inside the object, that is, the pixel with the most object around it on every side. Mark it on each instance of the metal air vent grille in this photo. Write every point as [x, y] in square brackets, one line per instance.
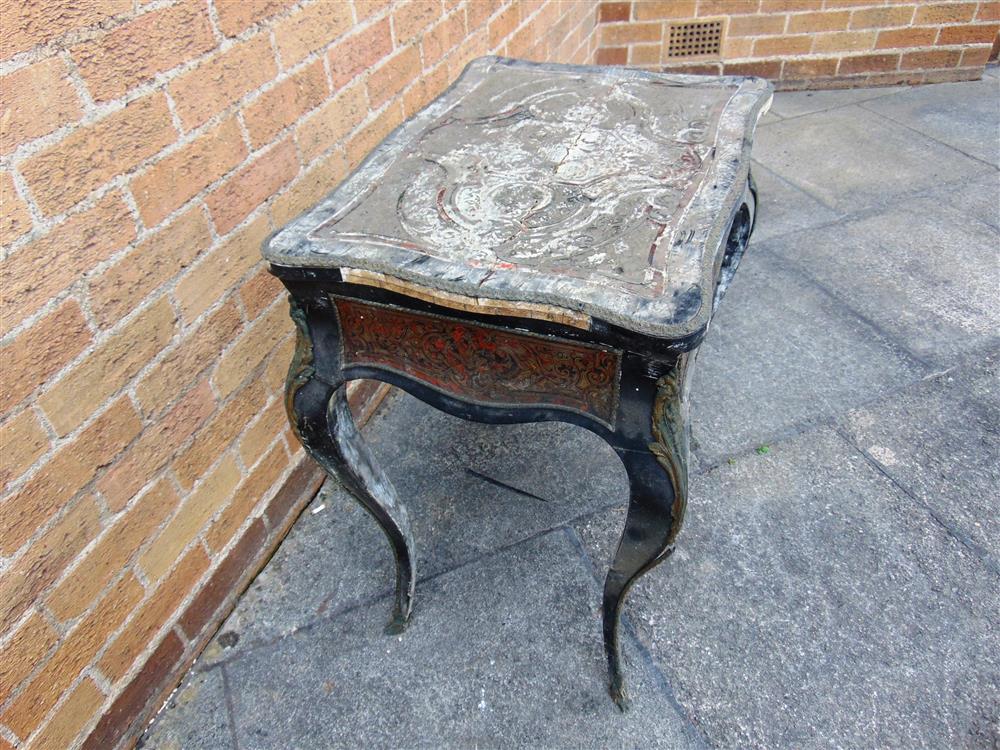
[695, 38]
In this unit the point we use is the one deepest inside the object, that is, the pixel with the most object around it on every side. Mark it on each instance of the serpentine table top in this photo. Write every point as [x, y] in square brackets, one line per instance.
[571, 191]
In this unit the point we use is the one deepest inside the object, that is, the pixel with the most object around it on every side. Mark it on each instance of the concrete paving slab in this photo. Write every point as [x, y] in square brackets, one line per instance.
[784, 208]
[797, 103]
[195, 717]
[502, 653]
[924, 273]
[782, 354]
[978, 200]
[812, 604]
[852, 159]
[940, 441]
[964, 115]
[470, 489]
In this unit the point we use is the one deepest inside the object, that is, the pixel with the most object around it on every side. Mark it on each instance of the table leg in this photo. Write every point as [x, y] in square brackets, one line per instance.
[658, 494]
[322, 421]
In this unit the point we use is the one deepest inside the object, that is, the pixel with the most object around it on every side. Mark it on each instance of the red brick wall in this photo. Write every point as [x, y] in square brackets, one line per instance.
[812, 43]
[146, 149]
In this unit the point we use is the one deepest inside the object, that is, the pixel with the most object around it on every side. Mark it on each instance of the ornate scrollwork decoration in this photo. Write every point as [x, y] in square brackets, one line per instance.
[670, 430]
[302, 368]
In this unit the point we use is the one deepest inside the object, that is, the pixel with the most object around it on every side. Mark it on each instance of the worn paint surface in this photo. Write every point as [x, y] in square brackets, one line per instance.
[481, 363]
[603, 190]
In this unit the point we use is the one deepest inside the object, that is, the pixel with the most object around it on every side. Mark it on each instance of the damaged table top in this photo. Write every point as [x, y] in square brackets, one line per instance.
[603, 192]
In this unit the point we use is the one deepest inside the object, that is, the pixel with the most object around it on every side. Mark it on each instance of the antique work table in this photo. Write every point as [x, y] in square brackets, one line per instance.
[542, 242]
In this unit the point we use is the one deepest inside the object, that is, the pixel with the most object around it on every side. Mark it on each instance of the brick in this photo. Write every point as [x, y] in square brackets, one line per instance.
[112, 553]
[970, 34]
[15, 219]
[786, 6]
[139, 697]
[110, 366]
[156, 447]
[393, 75]
[880, 18]
[72, 656]
[182, 365]
[306, 191]
[46, 559]
[610, 12]
[411, 18]
[282, 105]
[157, 610]
[844, 41]
[989, 10]
[250, 350]
[502, 26]
[782, 46]
[366, 9]
[649, 11]
[868, 64]
[135, 52]
[644, 54]
[334, 120]
[735, 47]
[259, 291]
[612, 56]
[219, 434]
[934, 14]
[121, 288]
[235, 17]
[220, 269]
[71, 717]
[257, 438]
[41, 351]
[197, 508]
[237, 569]
[28, 24]
[175, 179]
[478, 14]
[358, 52]
[975, 56]
[727, 7]
[216, 83]
[428, 86]
[367, 138]
[808, 69]
[310, 28]
[443, 38]
[613, 36]
[277, 365]
[65, 474]
[34, 101]
[914, 36]
[939, 58]
[22, 442]
[240, 194]
[304, 481]
[813, 22]
[63, 174]
[246, 498]
[24, 651]
[43, 268]
[756, 25]
[762, 68]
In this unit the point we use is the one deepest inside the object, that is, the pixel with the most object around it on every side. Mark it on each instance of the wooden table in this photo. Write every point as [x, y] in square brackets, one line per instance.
[542, 242]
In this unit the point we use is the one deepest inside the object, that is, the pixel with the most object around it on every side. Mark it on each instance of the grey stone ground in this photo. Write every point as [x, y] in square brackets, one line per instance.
[839, 587]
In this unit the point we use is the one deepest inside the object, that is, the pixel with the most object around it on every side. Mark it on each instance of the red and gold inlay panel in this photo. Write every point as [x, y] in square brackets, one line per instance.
[481, 363]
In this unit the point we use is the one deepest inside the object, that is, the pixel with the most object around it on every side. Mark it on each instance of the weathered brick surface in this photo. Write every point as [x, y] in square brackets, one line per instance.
[69, 401]
[208, 89]
[60, 176]
[42, 269]
[171, 182]
[148, 149]
[34, 101]
[153, 42]
[241, 193]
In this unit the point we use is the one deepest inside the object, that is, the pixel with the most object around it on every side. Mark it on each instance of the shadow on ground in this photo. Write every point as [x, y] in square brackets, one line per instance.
[837, 582]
